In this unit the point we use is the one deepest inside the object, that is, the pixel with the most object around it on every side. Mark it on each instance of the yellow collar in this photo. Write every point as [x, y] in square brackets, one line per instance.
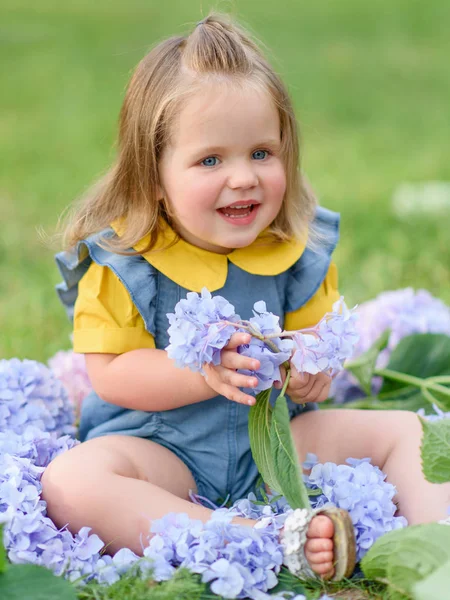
[194, 268]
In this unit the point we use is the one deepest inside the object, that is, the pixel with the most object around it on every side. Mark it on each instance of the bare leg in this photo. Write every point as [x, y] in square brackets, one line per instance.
[391, 439]
[118, 484]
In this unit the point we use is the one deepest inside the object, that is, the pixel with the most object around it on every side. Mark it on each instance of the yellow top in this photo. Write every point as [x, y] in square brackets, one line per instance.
[107, 321]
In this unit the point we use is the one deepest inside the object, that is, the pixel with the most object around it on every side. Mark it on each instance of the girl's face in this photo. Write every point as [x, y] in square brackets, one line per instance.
[222, 172]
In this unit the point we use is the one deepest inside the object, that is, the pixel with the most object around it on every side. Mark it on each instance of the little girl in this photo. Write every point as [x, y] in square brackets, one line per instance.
[206, 191]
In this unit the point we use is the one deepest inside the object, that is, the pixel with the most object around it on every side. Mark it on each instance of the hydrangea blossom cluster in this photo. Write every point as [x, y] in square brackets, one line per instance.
[202, 325]
[265, 323]
[199, 329]
[237, 561]
[404, 312]
[30, 394]
[331, 343]
[361, 489]
[70, 368]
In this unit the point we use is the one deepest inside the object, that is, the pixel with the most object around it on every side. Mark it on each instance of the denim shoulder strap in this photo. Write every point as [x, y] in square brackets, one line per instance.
[137, 275]
[307, 274]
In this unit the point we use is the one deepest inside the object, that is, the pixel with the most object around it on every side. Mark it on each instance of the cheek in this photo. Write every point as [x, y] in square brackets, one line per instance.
[276, 182]
[202, 189]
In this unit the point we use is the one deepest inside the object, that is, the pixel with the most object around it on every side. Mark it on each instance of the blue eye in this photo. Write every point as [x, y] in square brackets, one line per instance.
[211, 161]
[260, 154]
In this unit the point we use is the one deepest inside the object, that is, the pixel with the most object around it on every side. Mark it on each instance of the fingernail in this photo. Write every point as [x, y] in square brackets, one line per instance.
[251, 383]
[255, 365]
[251, 402]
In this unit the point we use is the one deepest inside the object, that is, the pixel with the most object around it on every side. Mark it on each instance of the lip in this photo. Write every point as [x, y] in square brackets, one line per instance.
[240, 221]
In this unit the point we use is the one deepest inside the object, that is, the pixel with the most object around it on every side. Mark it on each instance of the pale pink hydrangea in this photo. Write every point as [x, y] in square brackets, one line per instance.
[70, 368]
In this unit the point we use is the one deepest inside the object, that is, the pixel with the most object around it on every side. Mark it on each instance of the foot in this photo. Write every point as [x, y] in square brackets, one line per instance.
[319, 546]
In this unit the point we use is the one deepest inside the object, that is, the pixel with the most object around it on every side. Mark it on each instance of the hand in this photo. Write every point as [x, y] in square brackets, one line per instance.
[304, 387]
[223, 378]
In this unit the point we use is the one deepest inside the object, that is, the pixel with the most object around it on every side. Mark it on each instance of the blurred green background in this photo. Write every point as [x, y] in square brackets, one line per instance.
[370, 82]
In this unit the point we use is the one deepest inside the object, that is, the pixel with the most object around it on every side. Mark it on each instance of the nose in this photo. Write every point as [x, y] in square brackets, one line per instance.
[242, 176]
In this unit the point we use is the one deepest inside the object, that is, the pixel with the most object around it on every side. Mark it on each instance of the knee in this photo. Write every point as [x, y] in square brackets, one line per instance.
[62, 488]
[404, 425]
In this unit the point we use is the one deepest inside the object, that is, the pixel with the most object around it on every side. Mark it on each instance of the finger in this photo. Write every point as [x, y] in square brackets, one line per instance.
[324, 393]
[238, 339]
[300, 385]
[236, 395]
[315, 392]
[234, 360]
[235, 379]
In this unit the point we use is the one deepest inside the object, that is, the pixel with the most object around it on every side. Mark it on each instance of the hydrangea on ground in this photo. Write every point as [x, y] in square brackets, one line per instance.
[30, 394]
[404, 312]
[361, 489]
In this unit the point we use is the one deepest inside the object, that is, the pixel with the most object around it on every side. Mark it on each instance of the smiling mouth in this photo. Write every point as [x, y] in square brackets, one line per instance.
[238, 212]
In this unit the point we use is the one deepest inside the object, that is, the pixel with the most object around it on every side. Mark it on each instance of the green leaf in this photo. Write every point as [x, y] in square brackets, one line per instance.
[422, 355]
[289, 583]
[3, 559]
[435, 450]
[30, 582]
[259, 422]
[285, 457]
[403, 557]
[435, 585]
[363, 367]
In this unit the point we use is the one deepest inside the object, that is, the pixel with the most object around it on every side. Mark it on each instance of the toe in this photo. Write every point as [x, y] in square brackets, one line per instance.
[321, 527]
[317, 558]
[325, 570]
[318, 544]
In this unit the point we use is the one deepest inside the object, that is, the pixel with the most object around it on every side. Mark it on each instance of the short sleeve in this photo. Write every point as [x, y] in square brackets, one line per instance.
[105, 318]
[322, 302]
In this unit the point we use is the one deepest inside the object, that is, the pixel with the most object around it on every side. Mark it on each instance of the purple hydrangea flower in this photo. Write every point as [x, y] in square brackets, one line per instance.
[331, 342]
[265, 323]
[404, 312]
[360, 488]
[197, 333]
[30, 394]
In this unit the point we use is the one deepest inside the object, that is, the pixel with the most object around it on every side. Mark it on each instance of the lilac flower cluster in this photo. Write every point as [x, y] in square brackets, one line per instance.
[30, 394]
[361, 489]
[202, 326]
[404, 312]
[330, 345]
[265, 323]
[238, 561]
[197, 332]
[70, 368]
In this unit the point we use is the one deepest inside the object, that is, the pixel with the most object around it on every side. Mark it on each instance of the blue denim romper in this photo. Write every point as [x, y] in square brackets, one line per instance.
[210, 437]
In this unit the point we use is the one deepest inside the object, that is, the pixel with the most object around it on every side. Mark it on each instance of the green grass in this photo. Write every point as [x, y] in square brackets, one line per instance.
[370, 84]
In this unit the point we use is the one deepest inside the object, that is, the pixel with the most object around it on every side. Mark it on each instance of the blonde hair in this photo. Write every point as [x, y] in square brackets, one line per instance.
[167, 75]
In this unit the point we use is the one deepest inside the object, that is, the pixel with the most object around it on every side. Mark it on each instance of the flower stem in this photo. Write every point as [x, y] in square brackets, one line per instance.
[286, 382]
[412, 380]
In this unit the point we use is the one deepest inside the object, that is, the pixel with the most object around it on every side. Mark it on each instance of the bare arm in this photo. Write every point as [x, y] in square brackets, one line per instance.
[145, 379]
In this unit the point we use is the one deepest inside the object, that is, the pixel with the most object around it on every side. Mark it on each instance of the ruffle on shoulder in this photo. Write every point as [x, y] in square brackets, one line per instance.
[137, 275]
[308, 273]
